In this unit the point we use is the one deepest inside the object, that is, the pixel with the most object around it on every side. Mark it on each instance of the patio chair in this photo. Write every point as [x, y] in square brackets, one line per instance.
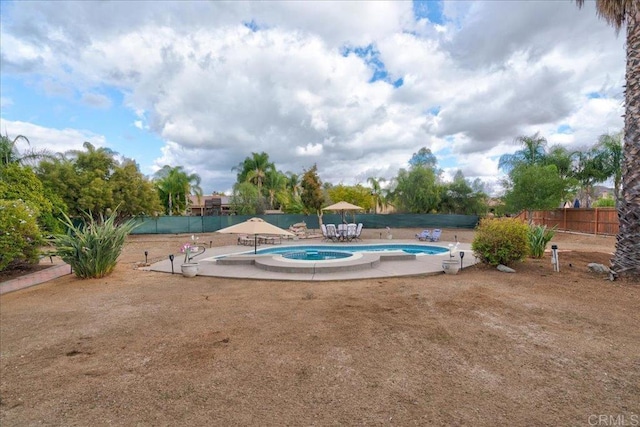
[424, 235]
[435, 236]
[358, 231]
[351, 231]
[247, 241]
[342, 231]
[332, 233]
[325, 237]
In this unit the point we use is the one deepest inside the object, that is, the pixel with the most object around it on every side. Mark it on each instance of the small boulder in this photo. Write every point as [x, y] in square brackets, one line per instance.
[598, 268]
[505, 269]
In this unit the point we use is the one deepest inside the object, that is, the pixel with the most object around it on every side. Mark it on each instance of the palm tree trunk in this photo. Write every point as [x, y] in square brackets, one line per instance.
[626, 260]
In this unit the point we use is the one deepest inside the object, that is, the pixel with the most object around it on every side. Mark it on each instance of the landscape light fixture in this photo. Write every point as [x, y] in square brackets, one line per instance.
[171, 259]
[554, 258]
[146, 254]
[461, 257]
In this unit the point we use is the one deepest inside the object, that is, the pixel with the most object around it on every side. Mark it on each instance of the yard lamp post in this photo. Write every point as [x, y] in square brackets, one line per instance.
[146, 254]
[171, 259]
[554, 258]
[461, 257]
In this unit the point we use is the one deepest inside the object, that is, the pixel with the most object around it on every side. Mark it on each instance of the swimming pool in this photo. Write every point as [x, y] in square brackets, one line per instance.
[315, 255]
[350, 249]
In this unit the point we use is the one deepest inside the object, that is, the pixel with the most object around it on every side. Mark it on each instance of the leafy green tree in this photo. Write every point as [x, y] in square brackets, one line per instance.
[21, 183]
[424, 158]
[355, 194]
[416, 190]
[93, 180]
[588, 170]
[174, 186]
[133, 193]
[459, 197]
[534, 187]
[561, 158]
[246, 199]
[626, 260]
[93, 168]
[312, 196]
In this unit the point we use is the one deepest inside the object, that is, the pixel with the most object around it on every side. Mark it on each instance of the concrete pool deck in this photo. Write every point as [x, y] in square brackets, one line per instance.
[273, 267]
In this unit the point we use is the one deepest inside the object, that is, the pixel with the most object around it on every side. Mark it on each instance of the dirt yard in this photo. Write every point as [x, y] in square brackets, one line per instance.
[482, 348]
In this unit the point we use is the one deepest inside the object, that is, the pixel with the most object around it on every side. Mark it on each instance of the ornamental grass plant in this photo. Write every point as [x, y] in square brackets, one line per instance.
[92, 248]
[539, 237]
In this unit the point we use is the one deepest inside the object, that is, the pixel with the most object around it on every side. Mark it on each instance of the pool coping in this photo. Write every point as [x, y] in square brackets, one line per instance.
[269, 267]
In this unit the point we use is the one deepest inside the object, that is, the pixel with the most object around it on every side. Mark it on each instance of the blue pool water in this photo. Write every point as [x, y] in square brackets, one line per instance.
[312, 252]
[312, 255]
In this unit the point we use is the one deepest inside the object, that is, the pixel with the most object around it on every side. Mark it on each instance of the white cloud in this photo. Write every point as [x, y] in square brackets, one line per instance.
[50, 139]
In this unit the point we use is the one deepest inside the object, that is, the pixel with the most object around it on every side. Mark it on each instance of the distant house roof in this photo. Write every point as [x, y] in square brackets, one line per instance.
[224, 200]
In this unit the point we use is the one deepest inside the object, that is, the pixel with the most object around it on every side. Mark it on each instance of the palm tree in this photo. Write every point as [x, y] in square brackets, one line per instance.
[9, 152]
[174, 186]
[376, 192]
[274, 183]
[532, 153]
[254, 169]
[293, 183]
[609, 150]
[626, 260]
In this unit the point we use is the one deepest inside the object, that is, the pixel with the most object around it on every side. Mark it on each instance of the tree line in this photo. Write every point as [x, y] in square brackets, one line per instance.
[97, 180]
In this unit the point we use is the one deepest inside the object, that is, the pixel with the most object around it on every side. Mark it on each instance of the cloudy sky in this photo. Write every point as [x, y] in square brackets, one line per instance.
[354, 87]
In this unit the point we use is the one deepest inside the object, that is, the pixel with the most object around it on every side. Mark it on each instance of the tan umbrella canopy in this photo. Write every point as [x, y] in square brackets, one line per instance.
[342, 207]
[255, 226]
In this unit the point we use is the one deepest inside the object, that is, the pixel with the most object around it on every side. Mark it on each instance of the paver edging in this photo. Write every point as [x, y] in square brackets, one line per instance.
[36, 278]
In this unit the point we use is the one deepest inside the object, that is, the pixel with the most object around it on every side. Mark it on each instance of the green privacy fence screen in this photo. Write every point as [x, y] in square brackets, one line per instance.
[205, 224]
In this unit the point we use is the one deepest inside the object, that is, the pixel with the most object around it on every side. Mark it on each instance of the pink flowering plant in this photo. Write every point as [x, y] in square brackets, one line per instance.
[189, 247]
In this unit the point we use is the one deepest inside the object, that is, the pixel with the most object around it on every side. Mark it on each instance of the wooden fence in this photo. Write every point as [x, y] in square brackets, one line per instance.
[581, 220]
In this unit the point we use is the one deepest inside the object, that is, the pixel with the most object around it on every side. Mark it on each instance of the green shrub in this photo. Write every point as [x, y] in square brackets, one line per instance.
[92, 248]
[605, 202]
[539, 237]
[19, 234]
[501, 241]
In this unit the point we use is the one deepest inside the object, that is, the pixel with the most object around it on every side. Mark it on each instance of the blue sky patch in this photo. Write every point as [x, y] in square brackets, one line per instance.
[429, 9]
[434, 111]
[594, 95]
[252, 25]
[564, 128]
[371, 56]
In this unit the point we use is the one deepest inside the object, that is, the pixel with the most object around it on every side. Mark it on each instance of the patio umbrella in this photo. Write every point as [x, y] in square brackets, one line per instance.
[255, 226]
[342, 207]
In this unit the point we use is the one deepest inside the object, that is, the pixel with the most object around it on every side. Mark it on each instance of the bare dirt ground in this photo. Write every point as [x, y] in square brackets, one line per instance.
[479, 348]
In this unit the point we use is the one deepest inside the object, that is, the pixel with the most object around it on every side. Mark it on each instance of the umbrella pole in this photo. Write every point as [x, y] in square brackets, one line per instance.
[255, 243]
